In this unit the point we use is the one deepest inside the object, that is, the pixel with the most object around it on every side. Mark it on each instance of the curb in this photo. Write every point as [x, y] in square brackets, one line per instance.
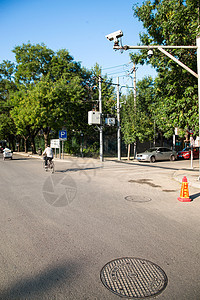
[192, 177]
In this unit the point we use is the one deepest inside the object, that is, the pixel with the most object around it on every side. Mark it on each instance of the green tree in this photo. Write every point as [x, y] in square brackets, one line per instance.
[137, 115]
[26, 116]
[171, 22]
[33, 62]
[7, 87]
[107, 90]
[54, 91]
[54, 81]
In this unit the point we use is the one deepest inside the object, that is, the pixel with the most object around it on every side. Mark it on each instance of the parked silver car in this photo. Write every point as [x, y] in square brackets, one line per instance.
[157, 153]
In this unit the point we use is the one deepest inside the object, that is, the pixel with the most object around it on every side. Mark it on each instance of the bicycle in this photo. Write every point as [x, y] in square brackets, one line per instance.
[50, 165]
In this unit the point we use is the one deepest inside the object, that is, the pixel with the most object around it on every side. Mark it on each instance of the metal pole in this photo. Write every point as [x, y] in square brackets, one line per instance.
[178, 62]
[127, 47]
[62, 150]
[198, 72]
[135, 95]
[101, 127]
[191, 146]
[118, 123]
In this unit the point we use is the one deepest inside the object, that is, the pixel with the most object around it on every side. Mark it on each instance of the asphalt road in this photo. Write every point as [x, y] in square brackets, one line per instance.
[59, 230]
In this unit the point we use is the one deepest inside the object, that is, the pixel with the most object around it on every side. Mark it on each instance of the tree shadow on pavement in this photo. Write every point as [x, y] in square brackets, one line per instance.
[43, 285]
[77, 169]
[21, 158]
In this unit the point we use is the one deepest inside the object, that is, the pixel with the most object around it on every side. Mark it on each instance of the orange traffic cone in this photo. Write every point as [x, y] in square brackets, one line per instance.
[184, 196]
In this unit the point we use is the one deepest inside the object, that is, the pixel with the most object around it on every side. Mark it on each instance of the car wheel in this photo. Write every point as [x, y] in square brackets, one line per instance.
[172, 158]
[152, 159]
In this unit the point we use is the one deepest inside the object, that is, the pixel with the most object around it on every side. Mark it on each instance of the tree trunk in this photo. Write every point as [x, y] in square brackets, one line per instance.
[46, 132]
[46, 139]
[25, 144]
[33, 144]
[13, 144]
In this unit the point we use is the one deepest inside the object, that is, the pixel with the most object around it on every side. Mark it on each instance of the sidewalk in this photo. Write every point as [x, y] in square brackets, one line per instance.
[191, 174]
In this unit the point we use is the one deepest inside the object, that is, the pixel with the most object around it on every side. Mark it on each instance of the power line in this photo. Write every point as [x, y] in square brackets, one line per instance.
[116, 66]
[117, 73]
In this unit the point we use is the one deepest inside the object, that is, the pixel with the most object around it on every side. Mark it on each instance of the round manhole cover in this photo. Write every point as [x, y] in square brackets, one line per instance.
[133, 278]
[137, 198]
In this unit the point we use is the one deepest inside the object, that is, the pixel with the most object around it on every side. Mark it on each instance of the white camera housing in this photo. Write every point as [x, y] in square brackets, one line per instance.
[114, 36]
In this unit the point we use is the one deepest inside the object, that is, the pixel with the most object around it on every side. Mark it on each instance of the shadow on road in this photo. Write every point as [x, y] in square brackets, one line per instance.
[195, 196]
[39, 286]
[77, 169]
[21, 158]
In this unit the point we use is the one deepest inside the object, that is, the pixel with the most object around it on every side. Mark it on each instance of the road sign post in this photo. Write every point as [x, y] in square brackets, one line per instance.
[62, 137]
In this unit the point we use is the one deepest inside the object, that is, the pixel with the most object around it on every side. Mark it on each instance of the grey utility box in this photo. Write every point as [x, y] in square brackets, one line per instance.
[94, 117]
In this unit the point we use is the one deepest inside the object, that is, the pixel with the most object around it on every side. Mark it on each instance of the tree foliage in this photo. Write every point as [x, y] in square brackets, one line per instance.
[48, 91]
[171, 22]
[7, 87]
[137, 113]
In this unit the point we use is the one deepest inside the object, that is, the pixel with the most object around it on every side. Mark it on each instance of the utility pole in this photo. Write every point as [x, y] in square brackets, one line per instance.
[135, 95]
[118, 123]
[101, 127]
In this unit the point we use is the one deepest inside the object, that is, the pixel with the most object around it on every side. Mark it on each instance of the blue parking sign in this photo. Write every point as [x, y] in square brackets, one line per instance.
[63, 135]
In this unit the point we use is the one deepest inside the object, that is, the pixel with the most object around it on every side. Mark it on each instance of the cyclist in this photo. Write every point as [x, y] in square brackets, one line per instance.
[48, 154]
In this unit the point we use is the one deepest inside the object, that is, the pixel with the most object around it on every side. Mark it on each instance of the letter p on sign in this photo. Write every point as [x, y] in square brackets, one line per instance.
[63, 135]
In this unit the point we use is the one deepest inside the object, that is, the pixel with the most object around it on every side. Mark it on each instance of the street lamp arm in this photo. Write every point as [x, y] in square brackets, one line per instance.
[178, 61]
[161, 48]
[126, 47]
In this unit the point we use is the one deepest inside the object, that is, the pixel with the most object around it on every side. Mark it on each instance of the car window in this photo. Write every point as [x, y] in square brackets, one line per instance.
[166, 150]
[151, 150]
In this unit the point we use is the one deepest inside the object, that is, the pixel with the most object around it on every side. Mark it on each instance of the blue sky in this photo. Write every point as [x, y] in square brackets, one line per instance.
[78, 26]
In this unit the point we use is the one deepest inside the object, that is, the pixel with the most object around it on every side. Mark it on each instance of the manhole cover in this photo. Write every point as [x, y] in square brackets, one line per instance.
[137, 198]
[133, 278]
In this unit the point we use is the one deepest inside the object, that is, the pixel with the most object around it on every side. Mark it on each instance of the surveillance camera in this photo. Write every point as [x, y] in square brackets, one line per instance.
[150, 53]
[114, 36]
